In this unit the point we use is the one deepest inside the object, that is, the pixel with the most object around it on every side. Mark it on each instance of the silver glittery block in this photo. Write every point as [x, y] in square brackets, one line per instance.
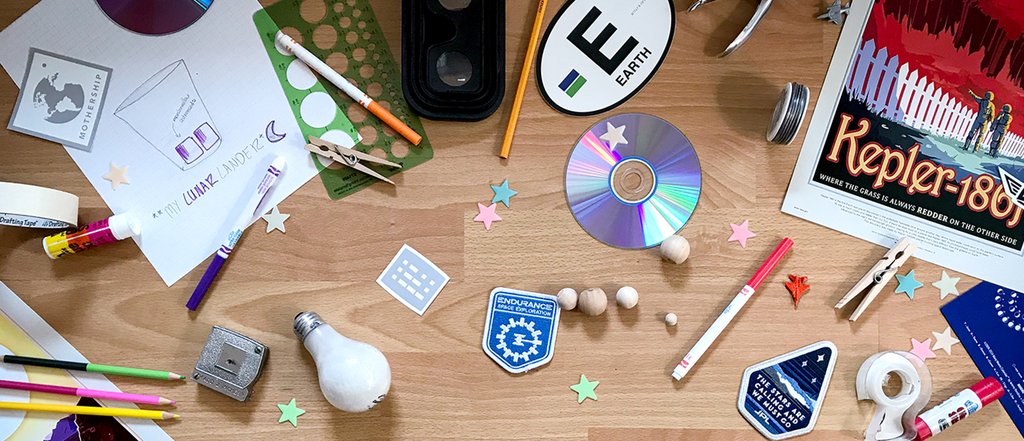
[230, 363]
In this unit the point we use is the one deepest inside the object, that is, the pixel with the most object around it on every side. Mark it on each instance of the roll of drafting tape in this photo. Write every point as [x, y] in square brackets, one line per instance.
[24, 205]
[789, 113]
[894, 418]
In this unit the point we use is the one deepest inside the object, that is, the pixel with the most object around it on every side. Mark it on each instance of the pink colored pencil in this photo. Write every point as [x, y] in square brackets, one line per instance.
[86, 393]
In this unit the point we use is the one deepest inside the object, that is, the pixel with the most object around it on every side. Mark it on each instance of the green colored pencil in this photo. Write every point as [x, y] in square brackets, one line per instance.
[93, 367]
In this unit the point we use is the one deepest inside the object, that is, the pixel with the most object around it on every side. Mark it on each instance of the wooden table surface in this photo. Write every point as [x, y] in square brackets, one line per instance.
[112, 307]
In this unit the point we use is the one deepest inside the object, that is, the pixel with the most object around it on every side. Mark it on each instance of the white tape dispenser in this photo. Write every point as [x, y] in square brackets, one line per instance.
[894, 417]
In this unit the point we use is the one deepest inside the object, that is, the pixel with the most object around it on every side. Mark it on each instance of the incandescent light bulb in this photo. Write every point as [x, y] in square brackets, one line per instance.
[354, 376]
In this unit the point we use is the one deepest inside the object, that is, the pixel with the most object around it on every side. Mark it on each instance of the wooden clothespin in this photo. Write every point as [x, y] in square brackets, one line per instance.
[349, 157]
[878, 276]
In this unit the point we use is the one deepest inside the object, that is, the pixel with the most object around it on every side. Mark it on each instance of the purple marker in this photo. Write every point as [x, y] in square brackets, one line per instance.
[251, 210]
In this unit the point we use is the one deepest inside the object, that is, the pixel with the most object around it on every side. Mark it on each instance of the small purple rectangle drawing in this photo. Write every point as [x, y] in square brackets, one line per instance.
[207, 136]
[188, 150]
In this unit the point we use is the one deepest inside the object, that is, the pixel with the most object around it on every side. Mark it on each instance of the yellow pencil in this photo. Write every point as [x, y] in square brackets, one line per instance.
[88, 410]
[513, 118]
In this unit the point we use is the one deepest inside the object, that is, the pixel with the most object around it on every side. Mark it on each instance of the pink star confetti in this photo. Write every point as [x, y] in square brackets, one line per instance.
[487, 214]
[741, 232]
[922, 349]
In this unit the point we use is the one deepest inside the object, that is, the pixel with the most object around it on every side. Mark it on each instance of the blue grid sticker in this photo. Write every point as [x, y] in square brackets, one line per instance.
[520, 330]
[412, 279]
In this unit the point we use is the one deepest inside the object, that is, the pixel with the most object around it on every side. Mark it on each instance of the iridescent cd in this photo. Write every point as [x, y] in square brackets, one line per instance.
[154, 17]
[632, 180]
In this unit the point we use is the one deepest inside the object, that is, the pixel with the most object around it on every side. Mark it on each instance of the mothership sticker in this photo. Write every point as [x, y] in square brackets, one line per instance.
[520, 330]
[61, 99]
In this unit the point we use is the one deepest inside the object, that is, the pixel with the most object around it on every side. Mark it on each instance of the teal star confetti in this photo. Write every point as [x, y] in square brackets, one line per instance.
[908, 284]
[502, 193]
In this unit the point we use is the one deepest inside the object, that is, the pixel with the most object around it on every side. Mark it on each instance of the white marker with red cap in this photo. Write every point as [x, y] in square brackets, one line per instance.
[730, 311]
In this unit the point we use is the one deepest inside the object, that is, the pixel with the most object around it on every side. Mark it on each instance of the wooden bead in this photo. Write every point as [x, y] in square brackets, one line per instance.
[627, 297]
[676, 249]
[671, 319]
[593, 301]
[567, 299]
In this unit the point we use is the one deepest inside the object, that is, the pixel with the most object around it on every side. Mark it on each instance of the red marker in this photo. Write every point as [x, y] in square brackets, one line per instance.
[958, 407]
[730, 311]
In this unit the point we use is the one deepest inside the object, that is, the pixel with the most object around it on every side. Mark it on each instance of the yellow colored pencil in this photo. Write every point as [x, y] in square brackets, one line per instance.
[524, 76]
[88, 410]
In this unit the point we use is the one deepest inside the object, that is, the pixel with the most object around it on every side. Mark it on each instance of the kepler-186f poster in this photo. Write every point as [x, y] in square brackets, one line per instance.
[917, 127]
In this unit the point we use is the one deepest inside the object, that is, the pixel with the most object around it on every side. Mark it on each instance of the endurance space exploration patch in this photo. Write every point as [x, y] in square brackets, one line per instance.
[520, 330]
[596, 54]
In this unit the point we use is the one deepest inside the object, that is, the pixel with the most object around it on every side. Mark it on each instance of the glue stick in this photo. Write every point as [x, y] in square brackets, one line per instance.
[99, 233]
[957, 407]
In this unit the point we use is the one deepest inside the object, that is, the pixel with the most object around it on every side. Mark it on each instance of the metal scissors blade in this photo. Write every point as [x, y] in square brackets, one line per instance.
[697, 4]
[744, 35]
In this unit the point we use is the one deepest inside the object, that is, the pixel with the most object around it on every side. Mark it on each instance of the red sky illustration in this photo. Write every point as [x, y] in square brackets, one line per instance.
[936, 56]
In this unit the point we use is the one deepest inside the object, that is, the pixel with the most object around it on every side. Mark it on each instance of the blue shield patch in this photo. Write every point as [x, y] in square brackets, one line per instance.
[520, 330]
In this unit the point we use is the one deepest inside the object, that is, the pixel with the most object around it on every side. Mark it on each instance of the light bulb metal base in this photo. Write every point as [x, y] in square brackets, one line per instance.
[305, 323]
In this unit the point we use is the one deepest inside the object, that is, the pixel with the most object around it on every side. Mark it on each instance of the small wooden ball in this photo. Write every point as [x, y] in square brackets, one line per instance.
[593, 301]
[567, 299]
[676, 249]
[671, 319]
[627, 297]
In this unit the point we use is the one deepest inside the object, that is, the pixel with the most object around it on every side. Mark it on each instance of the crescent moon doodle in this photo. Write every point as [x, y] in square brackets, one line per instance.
[273, 136]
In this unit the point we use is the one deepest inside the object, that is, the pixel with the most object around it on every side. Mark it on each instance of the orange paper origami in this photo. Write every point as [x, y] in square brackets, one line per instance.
[797, 286]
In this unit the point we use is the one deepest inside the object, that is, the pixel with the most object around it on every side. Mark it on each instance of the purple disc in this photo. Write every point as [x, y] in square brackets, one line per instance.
[154, 17]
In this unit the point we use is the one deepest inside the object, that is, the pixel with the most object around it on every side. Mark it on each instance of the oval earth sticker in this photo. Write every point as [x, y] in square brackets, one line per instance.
[596, 54]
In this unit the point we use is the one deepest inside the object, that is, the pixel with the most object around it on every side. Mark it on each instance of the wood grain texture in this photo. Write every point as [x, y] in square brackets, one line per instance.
[111, 305]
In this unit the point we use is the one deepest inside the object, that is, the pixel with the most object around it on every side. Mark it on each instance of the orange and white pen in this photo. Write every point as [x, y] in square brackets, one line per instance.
[346, 86]
[730, 311]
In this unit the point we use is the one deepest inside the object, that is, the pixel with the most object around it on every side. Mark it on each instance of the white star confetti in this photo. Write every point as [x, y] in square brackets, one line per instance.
[944, 340]
[275, 220]
[614, 136]
[117, 176]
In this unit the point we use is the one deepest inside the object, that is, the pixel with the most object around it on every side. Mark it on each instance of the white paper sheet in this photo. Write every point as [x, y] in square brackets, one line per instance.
[189, 113]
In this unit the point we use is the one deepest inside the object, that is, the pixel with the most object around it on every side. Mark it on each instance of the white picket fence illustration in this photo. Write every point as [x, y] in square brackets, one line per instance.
[900, 94]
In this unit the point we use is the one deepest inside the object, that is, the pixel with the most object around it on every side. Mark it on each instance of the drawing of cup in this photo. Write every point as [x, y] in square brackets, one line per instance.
[167, 111]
